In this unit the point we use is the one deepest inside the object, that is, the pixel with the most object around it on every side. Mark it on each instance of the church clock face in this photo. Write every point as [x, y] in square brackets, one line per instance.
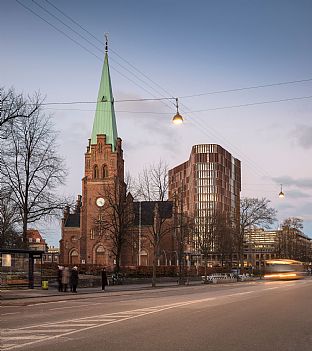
[100, 202]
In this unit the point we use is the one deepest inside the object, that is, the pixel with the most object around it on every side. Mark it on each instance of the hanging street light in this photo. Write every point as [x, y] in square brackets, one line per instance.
[177, 118]
[281, 194]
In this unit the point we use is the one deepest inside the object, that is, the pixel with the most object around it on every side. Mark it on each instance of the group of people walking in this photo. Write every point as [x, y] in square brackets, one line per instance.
[67, 278]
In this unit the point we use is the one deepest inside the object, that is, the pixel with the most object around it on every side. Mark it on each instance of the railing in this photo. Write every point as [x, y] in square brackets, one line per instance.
[216, 278]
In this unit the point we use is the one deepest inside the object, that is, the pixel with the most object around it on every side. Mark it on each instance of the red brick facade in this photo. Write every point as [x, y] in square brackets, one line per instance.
[82, 242]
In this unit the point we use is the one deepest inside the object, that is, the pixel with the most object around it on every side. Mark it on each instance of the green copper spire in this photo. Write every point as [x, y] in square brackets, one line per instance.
[104, 119]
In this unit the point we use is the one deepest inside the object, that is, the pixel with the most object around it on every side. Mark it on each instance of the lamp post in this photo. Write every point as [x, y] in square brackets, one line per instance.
[281, 195]
[177, 118]
[140, 233]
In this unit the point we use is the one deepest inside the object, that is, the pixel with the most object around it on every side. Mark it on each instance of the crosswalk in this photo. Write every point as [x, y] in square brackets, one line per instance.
[18, 338]
[21, 337]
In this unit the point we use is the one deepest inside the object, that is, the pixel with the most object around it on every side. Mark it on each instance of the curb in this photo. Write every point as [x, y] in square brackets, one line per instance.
[18, 300]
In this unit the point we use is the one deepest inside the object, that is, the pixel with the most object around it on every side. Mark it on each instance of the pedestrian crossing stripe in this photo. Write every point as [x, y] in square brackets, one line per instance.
[77, 325]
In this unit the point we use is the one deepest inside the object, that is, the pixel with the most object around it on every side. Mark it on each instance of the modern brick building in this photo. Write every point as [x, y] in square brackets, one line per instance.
[209, 181]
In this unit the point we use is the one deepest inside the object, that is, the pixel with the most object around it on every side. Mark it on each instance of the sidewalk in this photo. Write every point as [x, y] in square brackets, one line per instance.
[21, 294]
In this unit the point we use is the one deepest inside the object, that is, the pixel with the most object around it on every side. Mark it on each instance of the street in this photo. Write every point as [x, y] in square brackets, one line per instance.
[244, 316]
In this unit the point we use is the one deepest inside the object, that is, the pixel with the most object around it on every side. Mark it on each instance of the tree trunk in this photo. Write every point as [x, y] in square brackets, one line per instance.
[117, 266]
[206, 269]
[154, 268]
[25, 241]
[181, 270]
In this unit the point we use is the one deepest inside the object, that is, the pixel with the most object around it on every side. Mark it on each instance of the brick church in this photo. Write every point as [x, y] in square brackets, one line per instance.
[88, 230]
[210, 180]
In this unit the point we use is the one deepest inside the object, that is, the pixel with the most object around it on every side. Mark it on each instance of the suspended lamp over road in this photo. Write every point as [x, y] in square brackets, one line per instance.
[177, 119]
[281, 194]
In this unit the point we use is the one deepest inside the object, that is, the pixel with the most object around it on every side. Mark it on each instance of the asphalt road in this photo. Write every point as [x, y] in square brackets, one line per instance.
[235, 317]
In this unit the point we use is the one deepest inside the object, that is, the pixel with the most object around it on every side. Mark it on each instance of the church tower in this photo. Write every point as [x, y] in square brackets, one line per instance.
[104, 175]
[85, 238]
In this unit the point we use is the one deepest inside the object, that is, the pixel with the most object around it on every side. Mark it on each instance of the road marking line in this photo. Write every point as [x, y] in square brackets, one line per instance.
[244, 293]
[75, 324]
[63, 308]
[100, 320]
[7, 345]
[22, 337]
[5, 314]
[12, 331]
[160, 309]
[44, 303]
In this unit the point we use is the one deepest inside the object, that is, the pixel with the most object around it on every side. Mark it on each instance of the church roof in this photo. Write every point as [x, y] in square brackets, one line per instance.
[147, 211]
[72, 220]
[104, 119]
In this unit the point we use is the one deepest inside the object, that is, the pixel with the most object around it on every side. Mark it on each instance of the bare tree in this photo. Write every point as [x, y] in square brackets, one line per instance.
[30, 168]
[13, 106]
[224, 237]
[288, 242]
[116, 218]
[205, 232]
[153, 186]
[253, 212]
[10, 236]
[183, 228]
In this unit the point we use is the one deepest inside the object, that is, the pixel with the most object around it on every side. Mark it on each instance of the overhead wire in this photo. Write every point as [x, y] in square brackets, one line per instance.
[102, 43]
[80, 45]
[203, 127]
[88, 41]
[248, 88]
[190, 111]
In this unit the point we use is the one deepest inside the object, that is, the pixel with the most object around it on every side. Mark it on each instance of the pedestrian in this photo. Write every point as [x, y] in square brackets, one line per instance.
[104, 279]
[65, 278]
[59, 278]
[74, 279]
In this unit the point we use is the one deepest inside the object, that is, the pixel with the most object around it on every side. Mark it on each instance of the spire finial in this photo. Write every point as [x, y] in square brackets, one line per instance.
[106, 42]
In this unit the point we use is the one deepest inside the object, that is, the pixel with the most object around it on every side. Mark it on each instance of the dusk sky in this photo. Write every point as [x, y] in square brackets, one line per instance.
[175, 49]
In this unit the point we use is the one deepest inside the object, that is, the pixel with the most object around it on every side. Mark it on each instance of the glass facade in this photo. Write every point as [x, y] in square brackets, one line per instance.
[211, 181]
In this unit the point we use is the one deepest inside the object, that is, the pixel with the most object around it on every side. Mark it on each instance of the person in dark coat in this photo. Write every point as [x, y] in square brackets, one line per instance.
[59, 278]
[74, 279]
[104, 279]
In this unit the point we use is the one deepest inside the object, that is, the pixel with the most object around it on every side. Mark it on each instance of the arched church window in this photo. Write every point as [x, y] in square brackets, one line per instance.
[104, 171]
[100, 250]
[100, 147]
[95, 172]
[74, 257]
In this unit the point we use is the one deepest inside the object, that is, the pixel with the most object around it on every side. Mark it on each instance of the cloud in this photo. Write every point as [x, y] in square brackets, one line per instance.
[306, 210]
[304, 183]
[303, 136]
[296, 194]
[285, 206]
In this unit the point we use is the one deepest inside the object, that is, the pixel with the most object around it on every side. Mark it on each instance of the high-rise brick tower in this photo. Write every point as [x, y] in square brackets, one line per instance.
[83, 232]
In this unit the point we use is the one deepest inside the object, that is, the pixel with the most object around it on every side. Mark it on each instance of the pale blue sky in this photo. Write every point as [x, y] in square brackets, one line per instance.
[186, 48]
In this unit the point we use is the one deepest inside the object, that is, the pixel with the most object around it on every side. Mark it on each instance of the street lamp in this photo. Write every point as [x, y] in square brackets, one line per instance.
[177, 118]
[281, 195]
